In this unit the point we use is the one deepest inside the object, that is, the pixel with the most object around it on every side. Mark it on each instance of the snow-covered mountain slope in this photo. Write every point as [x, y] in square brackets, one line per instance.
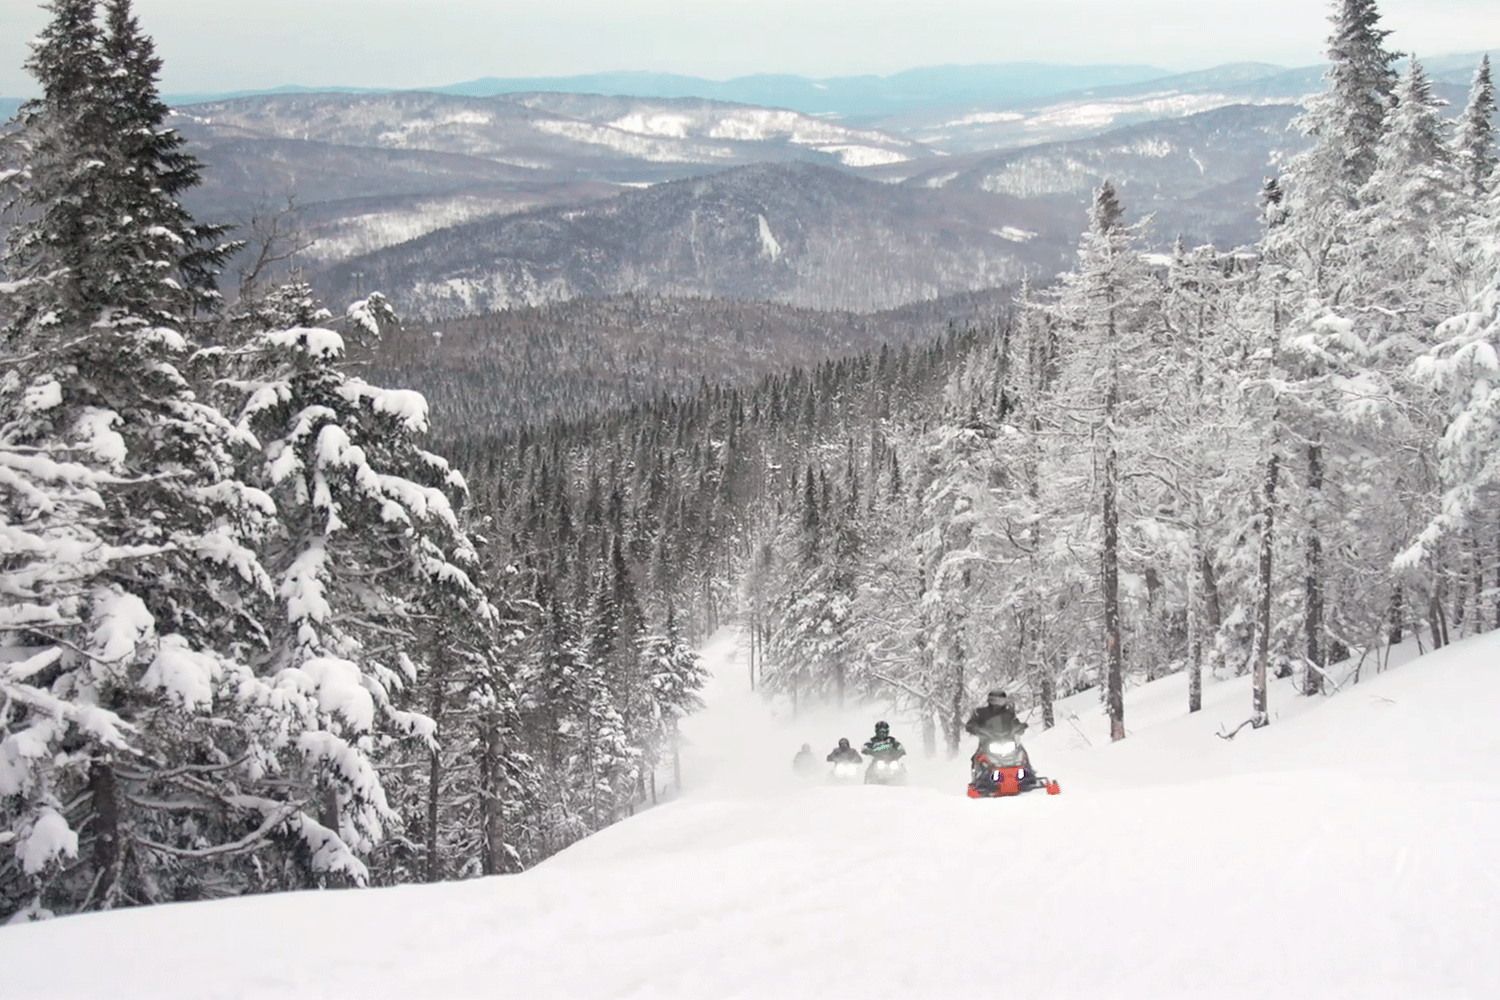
[1344, 851]
[379, 169]
[793, 233]
[570, 135]
[997, 124]
[1199, 175]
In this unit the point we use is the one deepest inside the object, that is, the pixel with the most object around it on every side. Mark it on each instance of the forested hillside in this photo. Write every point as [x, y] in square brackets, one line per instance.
[569, 360]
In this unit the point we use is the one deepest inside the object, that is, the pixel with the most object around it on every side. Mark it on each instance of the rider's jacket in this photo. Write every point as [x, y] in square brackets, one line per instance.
[994, 720]
[885, 746]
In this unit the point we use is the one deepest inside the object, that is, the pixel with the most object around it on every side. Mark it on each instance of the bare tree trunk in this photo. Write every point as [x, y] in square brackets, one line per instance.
[328, 806]
[754, 639]
[1263, 639]
[104, 791]
[435, 776]
[1049, 695]
[1110, 583]
[1434, 628]
[492, 802]
[1195, 633]
[838, 677]
[1211, 602]
[1313, 618]
[929, 733]
[956, 715]
[1395, 617]
[676, 759]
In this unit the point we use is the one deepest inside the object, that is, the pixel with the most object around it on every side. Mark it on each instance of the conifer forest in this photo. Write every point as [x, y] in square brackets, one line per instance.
[288, 601]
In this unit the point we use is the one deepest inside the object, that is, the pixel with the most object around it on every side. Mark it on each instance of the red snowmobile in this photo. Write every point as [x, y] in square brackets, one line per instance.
[1000, 767]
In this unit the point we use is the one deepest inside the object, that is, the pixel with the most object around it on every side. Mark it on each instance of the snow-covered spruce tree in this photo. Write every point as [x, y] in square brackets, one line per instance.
[1106, 305]
[556, 686]
[1412, 269]
[675, 674]
[1348, 119]
[155, 171]
[1464, 367]
[1317, 244]
[136, 602]
[367, 560]
[817, 652]
[617, 627]
[798, 638]
[957, 551]
[1474, 141]
[1045, 585]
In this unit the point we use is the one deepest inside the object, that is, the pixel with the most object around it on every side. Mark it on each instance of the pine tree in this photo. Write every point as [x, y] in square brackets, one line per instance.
[1474, 142]
[126, 481]
[675, 674]
[1347, 120]
[368, 547]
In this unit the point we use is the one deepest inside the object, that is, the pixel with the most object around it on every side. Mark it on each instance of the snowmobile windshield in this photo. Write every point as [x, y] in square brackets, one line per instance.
[995, 729]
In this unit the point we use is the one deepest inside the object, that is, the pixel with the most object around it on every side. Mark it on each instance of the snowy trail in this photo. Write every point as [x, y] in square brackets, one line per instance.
[1321, 857]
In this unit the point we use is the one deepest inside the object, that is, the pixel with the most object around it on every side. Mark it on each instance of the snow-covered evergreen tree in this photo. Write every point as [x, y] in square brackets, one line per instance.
[126, 483]
[368, 548]
[1107, 305]
[1474, 141]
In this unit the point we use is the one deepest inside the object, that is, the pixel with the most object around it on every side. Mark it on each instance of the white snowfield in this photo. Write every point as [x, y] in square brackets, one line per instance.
[1349, 850]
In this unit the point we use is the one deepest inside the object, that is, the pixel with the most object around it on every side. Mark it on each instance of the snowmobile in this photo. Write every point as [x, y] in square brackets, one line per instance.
[844, 772]
[885, 771]
[1001, 767]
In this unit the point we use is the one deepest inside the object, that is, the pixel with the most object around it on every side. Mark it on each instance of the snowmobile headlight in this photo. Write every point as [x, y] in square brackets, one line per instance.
[882, 764]
[1003, 746]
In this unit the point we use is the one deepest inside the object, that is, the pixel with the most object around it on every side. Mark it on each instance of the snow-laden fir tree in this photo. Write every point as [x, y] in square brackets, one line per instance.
[368, 555]
[1107, 306]
[675, 674]
[139, 590]
[1464, 366]
[1474, 140]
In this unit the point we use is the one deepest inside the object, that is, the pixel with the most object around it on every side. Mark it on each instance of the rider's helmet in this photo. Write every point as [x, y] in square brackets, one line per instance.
[998, 698]
[807, 748]
[882, 729]
[844, 743]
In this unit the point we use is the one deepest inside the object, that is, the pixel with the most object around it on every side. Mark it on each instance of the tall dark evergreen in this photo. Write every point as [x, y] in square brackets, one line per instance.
[153, 605]
[1348, 119]
[177, 257]
[1474, 142]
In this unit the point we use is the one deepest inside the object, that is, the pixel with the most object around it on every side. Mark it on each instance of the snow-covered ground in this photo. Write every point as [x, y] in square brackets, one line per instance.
[1347, 850]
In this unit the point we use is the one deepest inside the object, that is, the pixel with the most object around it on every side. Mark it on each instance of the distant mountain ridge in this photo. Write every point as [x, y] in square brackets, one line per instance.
[837, 95]
[794, 233]
[1019, 81]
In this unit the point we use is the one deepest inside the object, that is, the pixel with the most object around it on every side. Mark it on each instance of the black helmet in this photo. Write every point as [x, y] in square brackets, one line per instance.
[882, 729]
[844, 743]
[998, 697]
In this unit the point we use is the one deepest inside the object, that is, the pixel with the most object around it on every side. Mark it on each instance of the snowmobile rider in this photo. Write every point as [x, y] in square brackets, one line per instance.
[804, 762]
[996, 720]
[883, 744]
[844, 752]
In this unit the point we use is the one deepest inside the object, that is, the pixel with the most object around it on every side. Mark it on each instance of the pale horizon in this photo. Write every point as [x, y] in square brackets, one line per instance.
[219, 46]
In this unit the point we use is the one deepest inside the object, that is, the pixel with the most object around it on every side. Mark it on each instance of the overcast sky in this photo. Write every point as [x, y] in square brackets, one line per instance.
[221, 45]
